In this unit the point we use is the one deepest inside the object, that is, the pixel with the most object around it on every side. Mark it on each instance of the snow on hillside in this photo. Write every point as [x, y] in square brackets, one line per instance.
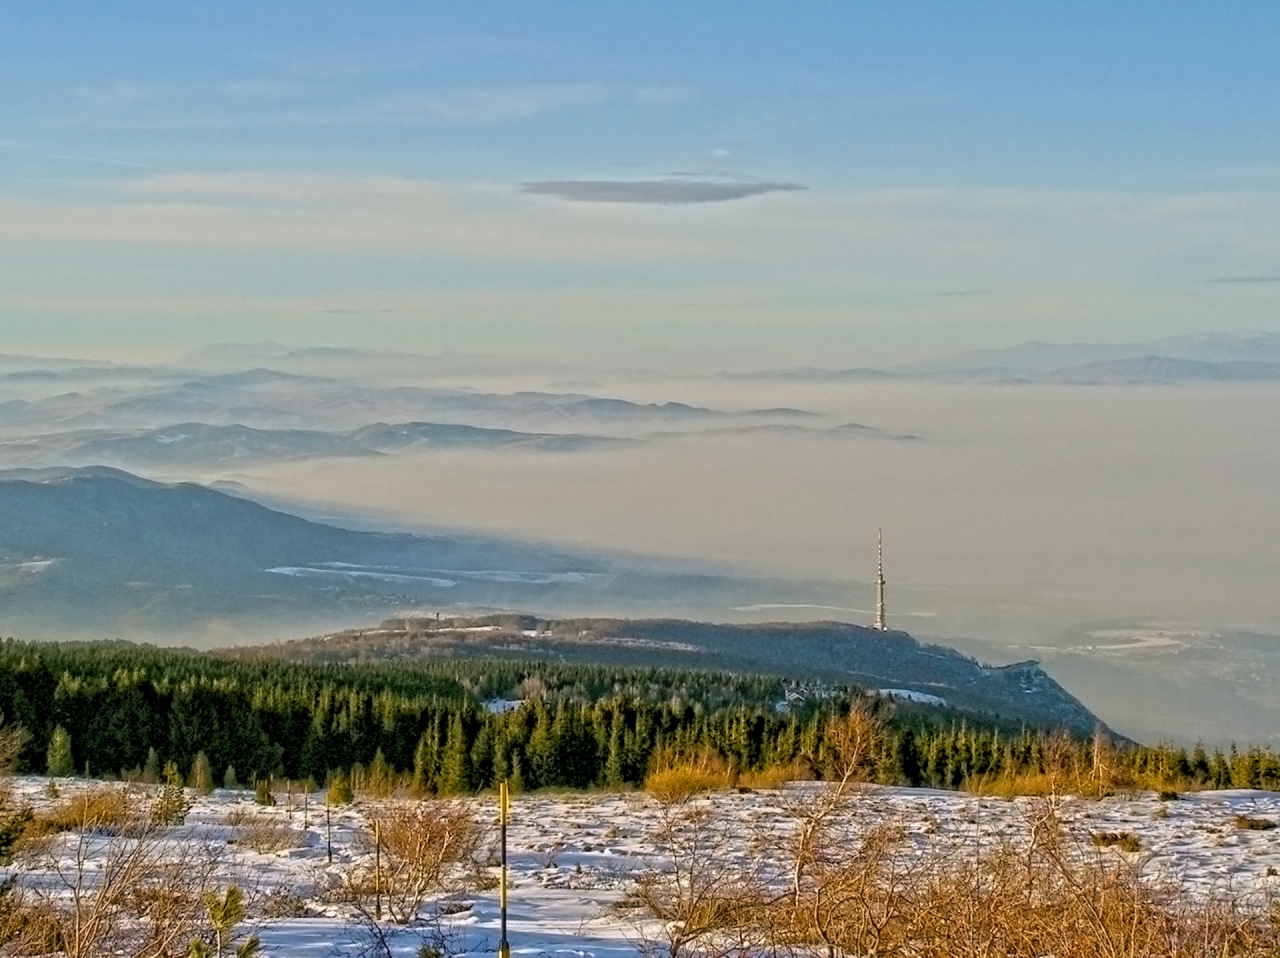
[574, 855]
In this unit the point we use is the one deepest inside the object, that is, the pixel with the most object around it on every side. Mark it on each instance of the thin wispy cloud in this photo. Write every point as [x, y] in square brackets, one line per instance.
[490, 105]
[1244, 279]
[272, 102]
[668, 192]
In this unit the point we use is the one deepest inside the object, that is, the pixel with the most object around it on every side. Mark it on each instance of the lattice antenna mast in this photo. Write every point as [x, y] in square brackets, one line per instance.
[881, 624]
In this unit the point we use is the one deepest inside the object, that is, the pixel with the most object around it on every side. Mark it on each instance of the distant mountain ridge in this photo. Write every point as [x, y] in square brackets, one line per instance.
[1162, 369]
[197, 444]
[1191, 359]
[98, 552]
[832, 651]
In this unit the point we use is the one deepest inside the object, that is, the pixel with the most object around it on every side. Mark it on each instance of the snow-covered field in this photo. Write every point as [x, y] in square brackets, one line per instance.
[572, 856]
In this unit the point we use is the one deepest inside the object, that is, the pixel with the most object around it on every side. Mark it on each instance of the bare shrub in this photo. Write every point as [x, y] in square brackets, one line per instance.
[1125, 841]
[1249, 824]
[676, 778]
[129, 894]
[105, 810]
[27, 926]
[13, 739]
[850, 743]
[280, 902]
[424, 847]
[773, 777]
[705, 905]
[874, 893]
[1065, 768]
[266, 835]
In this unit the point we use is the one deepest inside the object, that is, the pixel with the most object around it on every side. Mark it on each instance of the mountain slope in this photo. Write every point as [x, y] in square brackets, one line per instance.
[1164, 369]
[834, 652]
[102, 549]
[99, 552]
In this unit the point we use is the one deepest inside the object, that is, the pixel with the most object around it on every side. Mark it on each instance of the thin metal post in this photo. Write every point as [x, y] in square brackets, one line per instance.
[328, 828]
[504, 812]
[377, 870]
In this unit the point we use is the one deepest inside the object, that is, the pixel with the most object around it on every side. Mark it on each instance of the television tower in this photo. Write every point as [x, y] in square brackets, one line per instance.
[881, 625]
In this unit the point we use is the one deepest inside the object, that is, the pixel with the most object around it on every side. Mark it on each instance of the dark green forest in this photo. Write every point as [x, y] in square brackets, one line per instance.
[129, 708]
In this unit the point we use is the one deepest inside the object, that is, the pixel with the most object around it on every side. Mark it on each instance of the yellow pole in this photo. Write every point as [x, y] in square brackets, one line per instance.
[377, 868]
[504, 813]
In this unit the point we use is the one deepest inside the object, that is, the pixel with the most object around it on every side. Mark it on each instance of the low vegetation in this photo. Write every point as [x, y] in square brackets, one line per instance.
[1125, 841]
[1250, 824]
[839, 889]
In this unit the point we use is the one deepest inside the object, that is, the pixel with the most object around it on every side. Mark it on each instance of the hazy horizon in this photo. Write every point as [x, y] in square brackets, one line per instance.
[699, 287]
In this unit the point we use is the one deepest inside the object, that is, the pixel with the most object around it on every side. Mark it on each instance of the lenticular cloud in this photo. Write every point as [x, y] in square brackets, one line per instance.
[666, 192]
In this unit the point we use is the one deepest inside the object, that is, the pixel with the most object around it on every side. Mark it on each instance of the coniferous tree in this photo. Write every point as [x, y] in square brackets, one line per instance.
[423, 766]
[614, 769]
[59, 760]
[201, 774]
[378, 775]
[340, 791]
[151, 770]
[455, 768]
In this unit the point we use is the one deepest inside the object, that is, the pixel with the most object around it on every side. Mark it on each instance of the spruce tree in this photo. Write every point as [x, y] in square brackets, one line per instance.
[202, 774]
[151, 770]
[60, 761]
[340, 791]
[424, 766]
[455, 770]
[377, 777]
[614, 770]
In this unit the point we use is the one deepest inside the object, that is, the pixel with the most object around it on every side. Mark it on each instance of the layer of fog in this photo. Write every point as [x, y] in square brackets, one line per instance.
[1021, 519]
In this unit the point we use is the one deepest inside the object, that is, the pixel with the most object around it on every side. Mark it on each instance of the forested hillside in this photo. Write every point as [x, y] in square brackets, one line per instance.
[460, 726]
[838, 653]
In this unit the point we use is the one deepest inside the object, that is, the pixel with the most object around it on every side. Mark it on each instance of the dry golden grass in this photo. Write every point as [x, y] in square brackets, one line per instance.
[776, 776]
[96, 809]
[874, 894]
[676, 779]
[1125, 841]
[1025, 784]
[1254, 824]
[265, 834]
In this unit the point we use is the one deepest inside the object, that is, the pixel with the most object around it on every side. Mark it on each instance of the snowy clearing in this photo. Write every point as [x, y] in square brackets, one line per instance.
[574, 856]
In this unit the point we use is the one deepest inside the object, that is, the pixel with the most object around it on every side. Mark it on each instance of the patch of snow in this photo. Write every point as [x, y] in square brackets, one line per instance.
[498, 706]
[911, 695]
[574, 856]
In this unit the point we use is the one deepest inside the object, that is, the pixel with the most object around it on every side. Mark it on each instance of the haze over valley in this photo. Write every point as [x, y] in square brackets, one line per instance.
[1120, 530]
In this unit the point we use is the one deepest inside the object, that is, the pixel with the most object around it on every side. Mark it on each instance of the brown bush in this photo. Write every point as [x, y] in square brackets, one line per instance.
[1254, 824]
[775, 776]
[132, 896]
[677, 778]
[1125, 841]
[874, 894]
[266, 835]
[424, 847]
[101, 809]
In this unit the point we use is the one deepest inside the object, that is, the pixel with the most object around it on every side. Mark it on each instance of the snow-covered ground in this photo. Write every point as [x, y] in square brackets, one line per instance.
[573, 856]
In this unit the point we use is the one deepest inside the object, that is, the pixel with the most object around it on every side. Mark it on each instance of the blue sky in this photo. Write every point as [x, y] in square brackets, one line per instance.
[354, 174]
